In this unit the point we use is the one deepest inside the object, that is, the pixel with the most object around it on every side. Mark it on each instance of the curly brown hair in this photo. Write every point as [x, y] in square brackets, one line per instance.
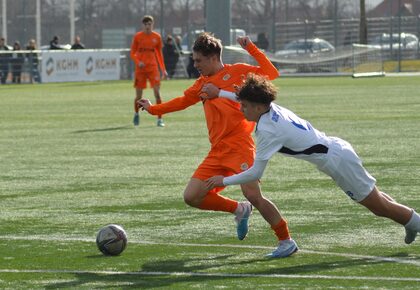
[257, 89]
[207, 45]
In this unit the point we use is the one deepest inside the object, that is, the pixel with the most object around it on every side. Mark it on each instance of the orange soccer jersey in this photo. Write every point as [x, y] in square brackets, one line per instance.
[229, 132]
[224, 119]
[147, 48]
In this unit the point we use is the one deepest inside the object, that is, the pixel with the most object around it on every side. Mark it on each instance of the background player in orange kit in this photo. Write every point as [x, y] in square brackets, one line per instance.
[146, 52]
[232, 147]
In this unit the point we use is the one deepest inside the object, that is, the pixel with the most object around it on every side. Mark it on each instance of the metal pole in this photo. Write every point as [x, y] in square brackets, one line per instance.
[4, 19]
[72, 21]
[335, 30]
[24, 23]
[273, 27]
[418, 33]
[84, 19]
[363, 23]
[391, 29]
[38, 23]
[161, 20]
[399, 36]
[218, 19]
[187, 10]
[335, 23]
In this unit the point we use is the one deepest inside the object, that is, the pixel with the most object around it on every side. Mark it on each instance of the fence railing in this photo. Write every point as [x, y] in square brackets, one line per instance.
[115, 64]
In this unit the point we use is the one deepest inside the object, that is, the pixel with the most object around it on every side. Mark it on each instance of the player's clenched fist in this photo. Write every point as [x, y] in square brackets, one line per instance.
[243, 41]
[209, 91]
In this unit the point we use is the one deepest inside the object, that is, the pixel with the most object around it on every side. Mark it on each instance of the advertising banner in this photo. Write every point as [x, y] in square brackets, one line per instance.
[80, 65]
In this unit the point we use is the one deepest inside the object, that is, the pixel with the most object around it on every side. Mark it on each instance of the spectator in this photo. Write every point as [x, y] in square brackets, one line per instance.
[170, 56]
[17, 63]
[178, 45]
[191, 70]
[54, 43]
[77, 44]
[33, 61]
[262, 41]
[348, 39]
[4, 60]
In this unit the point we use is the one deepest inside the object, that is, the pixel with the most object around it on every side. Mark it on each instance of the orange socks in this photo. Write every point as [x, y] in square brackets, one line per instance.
[159, 101]
[281, 230]
[216, 202]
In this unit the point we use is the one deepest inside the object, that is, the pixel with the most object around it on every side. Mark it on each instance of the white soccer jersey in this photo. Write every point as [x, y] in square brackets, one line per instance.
[281, 130]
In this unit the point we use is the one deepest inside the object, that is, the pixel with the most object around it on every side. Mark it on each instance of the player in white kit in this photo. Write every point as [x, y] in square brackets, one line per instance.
[280, 130]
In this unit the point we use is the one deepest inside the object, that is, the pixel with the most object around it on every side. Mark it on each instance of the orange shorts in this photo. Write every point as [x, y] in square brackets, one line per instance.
[140, 81]
[224, 160]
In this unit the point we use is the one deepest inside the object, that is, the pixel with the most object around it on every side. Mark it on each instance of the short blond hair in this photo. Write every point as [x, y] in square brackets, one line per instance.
[147, 18]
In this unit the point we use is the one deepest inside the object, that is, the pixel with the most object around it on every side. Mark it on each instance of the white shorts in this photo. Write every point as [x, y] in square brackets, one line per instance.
[345, 167]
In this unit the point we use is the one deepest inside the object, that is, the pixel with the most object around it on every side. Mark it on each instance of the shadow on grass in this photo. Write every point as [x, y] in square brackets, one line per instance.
[103, 129]
[166, 273]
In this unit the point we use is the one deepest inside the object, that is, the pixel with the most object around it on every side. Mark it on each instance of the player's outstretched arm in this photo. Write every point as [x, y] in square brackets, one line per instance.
[266, 67]
[252, 174]
[176, 104]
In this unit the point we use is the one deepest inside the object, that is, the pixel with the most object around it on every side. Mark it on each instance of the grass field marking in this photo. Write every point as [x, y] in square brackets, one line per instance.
[222, 275]
[346, 255]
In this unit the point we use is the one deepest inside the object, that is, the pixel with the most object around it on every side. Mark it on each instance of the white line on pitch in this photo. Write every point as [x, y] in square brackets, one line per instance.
[222, 275]
[347, 255]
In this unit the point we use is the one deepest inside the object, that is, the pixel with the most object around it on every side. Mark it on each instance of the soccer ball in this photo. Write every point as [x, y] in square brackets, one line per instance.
[111, 240]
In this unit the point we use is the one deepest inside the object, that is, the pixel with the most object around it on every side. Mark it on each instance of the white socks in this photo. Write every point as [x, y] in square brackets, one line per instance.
[414, 222]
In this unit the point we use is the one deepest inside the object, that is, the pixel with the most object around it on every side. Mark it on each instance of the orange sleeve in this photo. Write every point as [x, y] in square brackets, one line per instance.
[177, 104]
[133, 50]
[191, 97]
[159, 55]
[266, 68]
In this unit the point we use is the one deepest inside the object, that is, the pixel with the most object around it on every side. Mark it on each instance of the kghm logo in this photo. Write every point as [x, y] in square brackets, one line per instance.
[105, 63]
[50, 66]
[89, 65]
[71, 64]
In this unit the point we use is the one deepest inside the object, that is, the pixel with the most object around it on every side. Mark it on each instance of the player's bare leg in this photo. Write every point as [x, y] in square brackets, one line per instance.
[156, 92]
[267, 209]
[287, 246]
[195, 192]
[383, 205]
[139, 95]
[198, 195]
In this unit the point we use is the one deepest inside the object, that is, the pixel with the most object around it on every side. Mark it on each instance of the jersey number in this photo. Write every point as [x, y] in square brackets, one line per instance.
[299, 124]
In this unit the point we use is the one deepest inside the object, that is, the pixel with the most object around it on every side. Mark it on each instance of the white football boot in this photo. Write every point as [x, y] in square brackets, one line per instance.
[242, 219]
[285, 249]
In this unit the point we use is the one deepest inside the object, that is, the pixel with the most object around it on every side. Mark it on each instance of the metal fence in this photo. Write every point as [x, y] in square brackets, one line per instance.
[343, 31]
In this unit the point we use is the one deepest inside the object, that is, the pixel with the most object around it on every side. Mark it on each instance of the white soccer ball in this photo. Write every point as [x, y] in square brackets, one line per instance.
[111, 240]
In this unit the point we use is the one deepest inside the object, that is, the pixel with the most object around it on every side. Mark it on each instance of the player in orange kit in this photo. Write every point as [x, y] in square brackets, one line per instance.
[146, 52]
[232, 147]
